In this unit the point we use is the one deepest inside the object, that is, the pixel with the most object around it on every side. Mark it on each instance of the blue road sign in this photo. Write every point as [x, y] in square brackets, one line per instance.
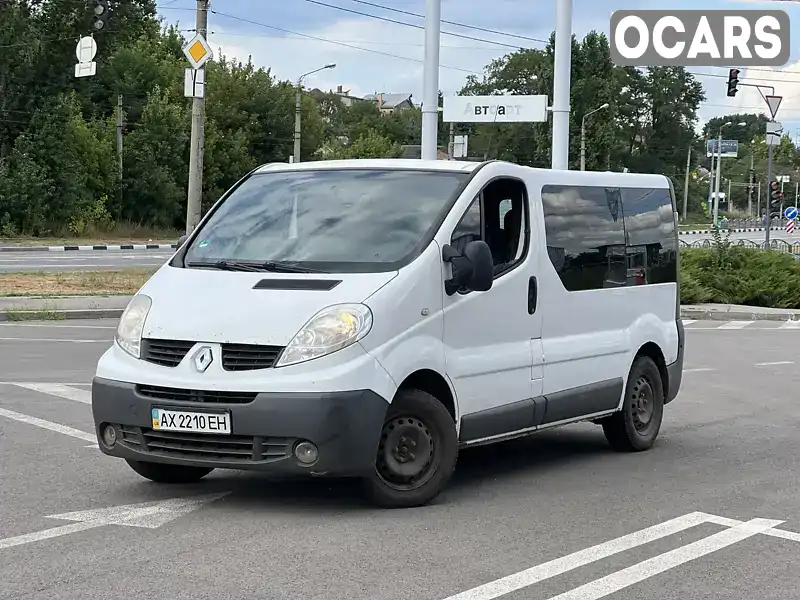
[791, 213]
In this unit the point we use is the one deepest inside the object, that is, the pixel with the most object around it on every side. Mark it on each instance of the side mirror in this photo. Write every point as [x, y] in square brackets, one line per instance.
[182, 239]
[474, 269]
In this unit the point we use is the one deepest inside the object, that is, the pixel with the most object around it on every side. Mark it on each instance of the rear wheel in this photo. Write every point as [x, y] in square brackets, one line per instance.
[636, 426]
[417, 452]
[161, 473]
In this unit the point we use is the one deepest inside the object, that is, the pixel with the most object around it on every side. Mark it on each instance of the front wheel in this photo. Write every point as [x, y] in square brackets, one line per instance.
[161, 473]
[417, 452]
[636, 426]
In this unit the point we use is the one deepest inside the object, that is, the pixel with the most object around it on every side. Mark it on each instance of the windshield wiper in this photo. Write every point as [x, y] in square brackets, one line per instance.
[275, 267]
[225, 266]
[279, 267]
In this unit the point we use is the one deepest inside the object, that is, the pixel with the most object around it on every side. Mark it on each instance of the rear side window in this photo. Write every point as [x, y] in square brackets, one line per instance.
[599, 237]
[650, 228]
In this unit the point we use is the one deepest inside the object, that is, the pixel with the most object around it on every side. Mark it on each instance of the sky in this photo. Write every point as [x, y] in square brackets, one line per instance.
[373, 55]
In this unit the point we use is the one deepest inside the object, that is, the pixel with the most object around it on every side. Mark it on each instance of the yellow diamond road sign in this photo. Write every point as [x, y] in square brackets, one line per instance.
[197, 51]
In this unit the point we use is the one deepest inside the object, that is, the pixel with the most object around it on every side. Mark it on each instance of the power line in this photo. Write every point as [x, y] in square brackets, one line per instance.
[396, 22]
[457, 24]
[345, 45]
[368, 42]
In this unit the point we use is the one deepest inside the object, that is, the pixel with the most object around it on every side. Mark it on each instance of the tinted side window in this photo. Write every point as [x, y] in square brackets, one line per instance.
[650, 225]
[585, 236]
[469, 227]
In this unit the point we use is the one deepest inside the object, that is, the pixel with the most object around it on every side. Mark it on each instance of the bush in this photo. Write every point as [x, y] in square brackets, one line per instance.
[736, 275]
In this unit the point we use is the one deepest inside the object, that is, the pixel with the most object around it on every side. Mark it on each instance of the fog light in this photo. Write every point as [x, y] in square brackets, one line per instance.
[109, 435]
[306, 452]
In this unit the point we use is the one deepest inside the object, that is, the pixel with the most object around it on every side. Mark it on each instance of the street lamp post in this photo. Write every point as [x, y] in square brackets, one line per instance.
[719, 169]
[583, 134]
[298, 106]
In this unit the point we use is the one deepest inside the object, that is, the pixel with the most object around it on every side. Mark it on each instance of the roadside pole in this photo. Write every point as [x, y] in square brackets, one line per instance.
[562, 69]
[686, 181]
[430, 80]
[197, 51]
[768, 204]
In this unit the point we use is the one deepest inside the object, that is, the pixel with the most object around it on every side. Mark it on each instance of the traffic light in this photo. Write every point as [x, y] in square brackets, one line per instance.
[775, 195]
[100, 14]
[733, 82]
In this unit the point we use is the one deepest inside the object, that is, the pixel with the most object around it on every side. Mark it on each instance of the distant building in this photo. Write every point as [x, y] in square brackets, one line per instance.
[344, 95]
[389, 103]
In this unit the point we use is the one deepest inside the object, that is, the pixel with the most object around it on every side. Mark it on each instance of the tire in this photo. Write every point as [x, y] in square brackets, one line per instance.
[636, 426]
[415, 420]
[161, 473]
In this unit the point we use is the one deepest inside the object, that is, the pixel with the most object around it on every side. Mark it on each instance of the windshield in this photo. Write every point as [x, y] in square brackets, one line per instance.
[343, 220]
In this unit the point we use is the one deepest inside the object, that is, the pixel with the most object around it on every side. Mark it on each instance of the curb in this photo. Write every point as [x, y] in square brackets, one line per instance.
[746, 230]
[35, 315]
[84, 248]
[719, 315]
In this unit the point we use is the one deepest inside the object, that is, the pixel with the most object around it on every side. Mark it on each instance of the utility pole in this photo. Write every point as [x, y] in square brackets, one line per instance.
[430, 79]
[730, 199]
[451, 147]
[119, 145]
[768, 204]
[562, 69]
[197, 144]
[686, 182]
[719, 175]
[758, 202]
[298, 109]
[750, 187]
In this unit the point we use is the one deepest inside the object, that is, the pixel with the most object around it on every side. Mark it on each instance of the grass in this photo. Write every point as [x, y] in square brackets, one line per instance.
[34, 315]
[122, 234]
[91, 283]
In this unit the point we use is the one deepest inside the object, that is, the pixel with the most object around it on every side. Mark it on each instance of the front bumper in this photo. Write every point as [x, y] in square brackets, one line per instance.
[345, 427]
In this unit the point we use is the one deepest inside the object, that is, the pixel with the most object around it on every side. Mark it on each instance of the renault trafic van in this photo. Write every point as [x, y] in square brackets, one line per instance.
[369, 318]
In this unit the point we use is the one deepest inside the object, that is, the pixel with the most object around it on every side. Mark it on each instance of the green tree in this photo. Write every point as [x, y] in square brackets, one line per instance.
[369, 145]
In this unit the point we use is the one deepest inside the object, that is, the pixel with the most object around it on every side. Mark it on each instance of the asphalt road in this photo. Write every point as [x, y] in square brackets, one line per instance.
[556, 516]
[87, 260]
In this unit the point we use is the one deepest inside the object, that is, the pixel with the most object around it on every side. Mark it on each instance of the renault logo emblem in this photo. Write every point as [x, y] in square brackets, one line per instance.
[203, 358]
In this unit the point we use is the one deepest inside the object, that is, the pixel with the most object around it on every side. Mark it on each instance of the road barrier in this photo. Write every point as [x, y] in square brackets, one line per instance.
[792, 248]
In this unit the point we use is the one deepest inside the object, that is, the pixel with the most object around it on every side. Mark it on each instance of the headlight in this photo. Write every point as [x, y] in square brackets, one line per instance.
[329, 330]
[129, 330]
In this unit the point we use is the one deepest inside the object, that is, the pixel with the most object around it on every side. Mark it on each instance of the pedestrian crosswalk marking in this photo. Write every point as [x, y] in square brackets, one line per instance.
[735, 325]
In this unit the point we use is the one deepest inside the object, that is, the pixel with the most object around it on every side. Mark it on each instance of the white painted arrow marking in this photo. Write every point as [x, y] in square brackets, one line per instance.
[149, 515]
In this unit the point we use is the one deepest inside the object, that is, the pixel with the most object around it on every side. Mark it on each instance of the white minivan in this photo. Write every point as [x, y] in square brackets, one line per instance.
[369, 318]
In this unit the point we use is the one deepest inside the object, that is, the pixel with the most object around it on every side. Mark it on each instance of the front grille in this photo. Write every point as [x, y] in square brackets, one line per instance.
[247, 357]
[200, 396]
[167, 353]
[230, 448]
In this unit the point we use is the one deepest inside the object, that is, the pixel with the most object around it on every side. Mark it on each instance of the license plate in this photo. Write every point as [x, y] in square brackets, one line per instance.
[192, 422]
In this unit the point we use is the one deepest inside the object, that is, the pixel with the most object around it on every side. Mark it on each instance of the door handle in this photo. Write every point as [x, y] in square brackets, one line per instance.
[533, 294]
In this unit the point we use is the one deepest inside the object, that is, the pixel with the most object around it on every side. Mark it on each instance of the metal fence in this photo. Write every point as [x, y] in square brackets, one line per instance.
[792, 248]
[752, 223]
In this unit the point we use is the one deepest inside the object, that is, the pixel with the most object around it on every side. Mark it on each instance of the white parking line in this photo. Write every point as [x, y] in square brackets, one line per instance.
[779, 362]
[558, 566]
[790, 325]
[698, 370]
[60, 390]
[57, 427]
[735, 324]
[623, 578]
[599, 588]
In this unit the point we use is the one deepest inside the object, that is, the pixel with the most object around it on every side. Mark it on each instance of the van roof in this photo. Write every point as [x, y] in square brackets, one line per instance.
[575, 177]
[374, 163]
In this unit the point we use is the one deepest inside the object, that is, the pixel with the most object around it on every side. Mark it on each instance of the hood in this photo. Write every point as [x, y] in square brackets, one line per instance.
[206, 305]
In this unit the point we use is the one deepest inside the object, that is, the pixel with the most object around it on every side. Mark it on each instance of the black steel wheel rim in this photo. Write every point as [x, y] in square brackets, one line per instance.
[643, 405]
[408, 453]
